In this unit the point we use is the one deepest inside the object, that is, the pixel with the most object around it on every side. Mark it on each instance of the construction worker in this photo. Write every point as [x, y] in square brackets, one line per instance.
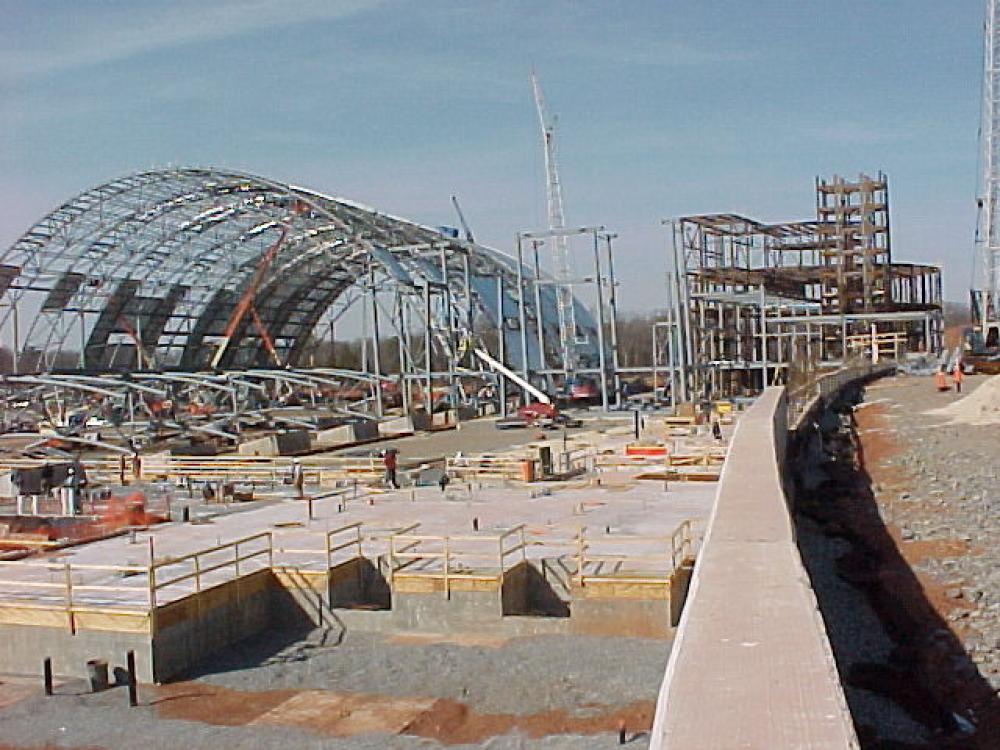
[940, 382]
[389, 461]
[298, 478]
[957, 376]
[716, 430]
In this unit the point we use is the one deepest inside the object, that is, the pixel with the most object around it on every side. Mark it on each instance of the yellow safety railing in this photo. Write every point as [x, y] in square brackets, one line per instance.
[203, 562]
[447, 556]
[71, 587]
[660, 557]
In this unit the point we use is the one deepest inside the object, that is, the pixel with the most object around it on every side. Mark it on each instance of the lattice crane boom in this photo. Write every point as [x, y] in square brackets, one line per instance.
[987, 299]
[559, 245]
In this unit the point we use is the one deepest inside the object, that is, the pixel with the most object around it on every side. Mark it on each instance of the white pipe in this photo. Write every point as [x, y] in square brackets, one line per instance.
[492, 363]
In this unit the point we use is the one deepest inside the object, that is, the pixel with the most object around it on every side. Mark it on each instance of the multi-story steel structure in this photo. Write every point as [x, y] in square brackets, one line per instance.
[753, 301]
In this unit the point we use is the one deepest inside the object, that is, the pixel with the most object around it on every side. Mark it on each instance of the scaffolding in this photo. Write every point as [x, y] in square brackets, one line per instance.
[752, 303]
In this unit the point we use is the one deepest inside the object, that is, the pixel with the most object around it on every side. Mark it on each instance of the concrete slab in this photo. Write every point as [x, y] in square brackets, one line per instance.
[551, 520]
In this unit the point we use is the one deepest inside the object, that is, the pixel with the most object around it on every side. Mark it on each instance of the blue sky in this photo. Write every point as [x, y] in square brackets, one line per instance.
[665, 108]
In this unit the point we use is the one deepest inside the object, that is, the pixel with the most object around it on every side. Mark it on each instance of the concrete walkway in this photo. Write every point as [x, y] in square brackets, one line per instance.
[751, 665]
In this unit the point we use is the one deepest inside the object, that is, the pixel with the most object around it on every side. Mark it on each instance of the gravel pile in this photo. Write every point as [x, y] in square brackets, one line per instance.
[953, 496]
[981, 407]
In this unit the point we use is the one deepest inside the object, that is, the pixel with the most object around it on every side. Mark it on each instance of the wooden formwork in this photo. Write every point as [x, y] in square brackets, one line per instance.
[510, 466]
[317, 470]
[423, 563]
[504, 467]
[609, 559]
[64, 595]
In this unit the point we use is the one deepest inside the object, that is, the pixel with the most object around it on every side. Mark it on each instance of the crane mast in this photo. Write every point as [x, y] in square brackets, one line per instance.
[560, 250]
[986, 300]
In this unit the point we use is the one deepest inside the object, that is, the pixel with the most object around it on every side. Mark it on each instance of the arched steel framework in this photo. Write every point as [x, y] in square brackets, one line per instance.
[164, 257]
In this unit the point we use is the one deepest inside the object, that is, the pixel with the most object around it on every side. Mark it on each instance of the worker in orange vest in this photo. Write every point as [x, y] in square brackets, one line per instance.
[957, 375]
[939, 380]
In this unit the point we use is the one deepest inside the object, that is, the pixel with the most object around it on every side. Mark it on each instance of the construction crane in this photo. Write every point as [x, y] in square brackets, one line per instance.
[560, 249]
[986, 299]
[462, 221]
[246, 305]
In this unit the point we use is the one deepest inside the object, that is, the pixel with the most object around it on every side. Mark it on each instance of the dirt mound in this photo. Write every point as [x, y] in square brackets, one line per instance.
[980, 407]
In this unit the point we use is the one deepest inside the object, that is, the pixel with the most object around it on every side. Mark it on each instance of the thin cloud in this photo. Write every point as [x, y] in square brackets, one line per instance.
[106, 34]
[667, 53]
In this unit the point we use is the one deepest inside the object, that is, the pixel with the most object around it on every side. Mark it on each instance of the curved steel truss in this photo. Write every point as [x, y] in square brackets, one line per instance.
[164, 257]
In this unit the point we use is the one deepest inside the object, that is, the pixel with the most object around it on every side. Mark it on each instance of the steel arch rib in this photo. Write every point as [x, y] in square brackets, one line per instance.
[144, 228]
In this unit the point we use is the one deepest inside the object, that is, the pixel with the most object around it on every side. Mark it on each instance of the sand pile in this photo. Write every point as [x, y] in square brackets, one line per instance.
[982, 406]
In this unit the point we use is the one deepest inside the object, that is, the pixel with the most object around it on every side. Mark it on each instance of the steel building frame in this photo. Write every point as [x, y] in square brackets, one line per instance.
[751, 301]
[144, 273]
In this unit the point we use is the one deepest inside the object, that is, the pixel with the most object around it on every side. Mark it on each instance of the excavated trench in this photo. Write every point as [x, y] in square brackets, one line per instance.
[908, 681]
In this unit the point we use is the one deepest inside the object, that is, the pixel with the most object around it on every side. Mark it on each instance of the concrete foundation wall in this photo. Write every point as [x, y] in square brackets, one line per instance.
[524, 601]
[265, 446]
[396, 426]
[422, 605]
[680, 582]
[631, 610]
[202, 624]
[346, 434]
[279, 444]
[420, 420]
[299, 599]
[23, 648]
[515, 596]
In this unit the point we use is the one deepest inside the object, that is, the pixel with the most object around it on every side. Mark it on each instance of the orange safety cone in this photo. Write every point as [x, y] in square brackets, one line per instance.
[940, 382]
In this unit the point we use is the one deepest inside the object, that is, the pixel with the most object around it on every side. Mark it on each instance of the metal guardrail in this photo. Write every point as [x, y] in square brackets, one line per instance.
[597, 558]
[802, 398]
[511, 467]
[227, 468]
[202, 562]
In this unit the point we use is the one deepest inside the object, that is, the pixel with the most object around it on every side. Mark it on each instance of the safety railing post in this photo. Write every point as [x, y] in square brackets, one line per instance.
[392, 558]
[68, 578]
[197, 574]
[447, 567]
[151, 580]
